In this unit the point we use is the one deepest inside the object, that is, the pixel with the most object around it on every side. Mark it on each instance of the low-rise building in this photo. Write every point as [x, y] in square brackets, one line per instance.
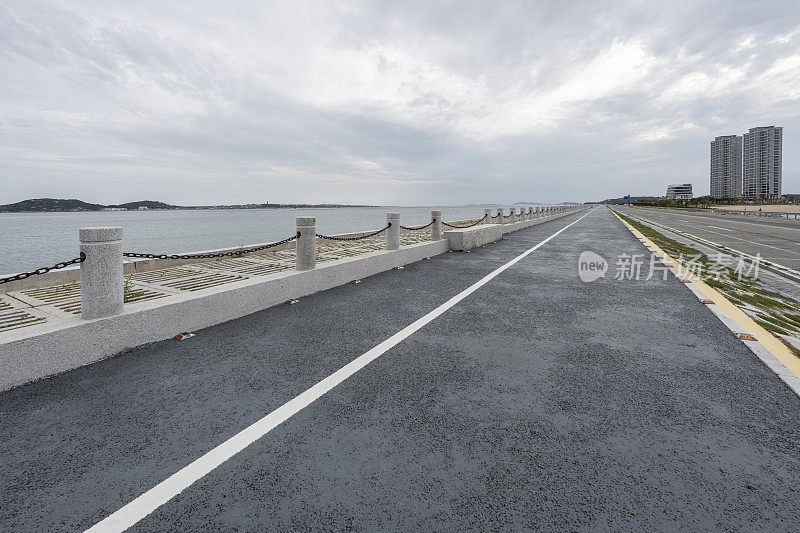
[679, 191]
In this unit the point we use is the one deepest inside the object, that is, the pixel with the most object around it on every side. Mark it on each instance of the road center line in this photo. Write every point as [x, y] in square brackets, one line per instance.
[707, 217]
[154, 498]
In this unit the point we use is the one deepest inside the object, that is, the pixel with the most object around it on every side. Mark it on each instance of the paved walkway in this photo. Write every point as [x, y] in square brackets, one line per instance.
[537, 401]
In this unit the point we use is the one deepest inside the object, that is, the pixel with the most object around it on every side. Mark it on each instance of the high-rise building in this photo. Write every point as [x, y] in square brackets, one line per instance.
[681, 191]
[726, 167]
[762, 152]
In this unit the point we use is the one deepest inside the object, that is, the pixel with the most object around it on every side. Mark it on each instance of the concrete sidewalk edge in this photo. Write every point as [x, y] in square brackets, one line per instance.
[763, 337]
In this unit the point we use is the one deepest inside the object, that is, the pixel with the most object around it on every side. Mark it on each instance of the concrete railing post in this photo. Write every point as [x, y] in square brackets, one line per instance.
[537, 213]
[512, 215]
[102, 285]
[487, 216]
[530, 213]
[393, 232]
[500, 216]
[306, 252]
[436, 228]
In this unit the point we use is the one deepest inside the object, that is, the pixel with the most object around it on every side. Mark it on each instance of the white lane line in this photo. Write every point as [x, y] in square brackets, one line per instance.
[154, 498]
[717, 227]
[701, 229]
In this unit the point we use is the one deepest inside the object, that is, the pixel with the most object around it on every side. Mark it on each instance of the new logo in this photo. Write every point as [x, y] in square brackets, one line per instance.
[591, 266]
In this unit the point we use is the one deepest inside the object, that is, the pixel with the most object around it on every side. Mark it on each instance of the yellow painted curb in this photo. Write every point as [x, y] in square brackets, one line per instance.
[767, 339]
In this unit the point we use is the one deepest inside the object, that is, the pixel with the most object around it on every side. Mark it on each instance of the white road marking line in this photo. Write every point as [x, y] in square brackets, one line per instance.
[703, 228]
[717, 227]
[751, 242]
[154, 498]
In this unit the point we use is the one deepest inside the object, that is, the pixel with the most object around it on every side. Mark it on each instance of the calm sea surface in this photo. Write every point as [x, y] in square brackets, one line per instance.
[32, 240]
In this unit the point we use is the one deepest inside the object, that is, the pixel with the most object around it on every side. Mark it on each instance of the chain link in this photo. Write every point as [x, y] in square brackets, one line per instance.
[417, 228]
[44, 270]
[329, 237]
[212, 256]
[468, 226]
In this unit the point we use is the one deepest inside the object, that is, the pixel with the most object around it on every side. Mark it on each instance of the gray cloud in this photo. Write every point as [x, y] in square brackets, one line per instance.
[403, 102]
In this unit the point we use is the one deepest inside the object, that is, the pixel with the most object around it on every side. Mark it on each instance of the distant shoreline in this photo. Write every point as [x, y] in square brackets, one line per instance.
[54, 205]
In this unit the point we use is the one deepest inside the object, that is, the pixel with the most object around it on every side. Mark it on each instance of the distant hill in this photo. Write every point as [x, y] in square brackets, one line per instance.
[42, 205]
[56, 204]
[49, 204]
[149, 204]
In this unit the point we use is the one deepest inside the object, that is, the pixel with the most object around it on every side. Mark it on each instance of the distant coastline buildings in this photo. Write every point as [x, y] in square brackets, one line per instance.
[748, 166]
[762, 151]
[726, 167]
[681, 191]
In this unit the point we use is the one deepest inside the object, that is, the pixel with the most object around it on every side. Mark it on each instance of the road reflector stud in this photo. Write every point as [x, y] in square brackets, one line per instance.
[426, 258]
[746, 337]
[397, 268]
[183, 336]
[291, 301]
[354, 281]
[706, 301]
[686, 280]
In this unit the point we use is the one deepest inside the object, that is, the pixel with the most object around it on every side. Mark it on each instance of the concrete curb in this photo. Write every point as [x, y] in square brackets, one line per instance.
[783, 362]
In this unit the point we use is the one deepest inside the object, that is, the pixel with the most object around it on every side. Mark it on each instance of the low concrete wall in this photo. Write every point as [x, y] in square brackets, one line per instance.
[56, 347]
[26, 357]
[468, 238]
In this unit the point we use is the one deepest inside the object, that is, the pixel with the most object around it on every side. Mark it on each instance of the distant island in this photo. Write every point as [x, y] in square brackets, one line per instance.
[53, 205]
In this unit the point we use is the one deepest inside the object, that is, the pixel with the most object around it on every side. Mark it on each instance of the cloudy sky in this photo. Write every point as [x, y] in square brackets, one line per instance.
[407, 103]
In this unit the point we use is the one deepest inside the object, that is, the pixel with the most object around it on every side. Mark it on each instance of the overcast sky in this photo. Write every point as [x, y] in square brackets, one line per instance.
[408, 103]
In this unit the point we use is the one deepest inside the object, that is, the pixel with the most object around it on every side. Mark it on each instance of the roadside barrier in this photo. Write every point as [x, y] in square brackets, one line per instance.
[233, 253]
[43, 270]
[467, 226]
[357, 237]
[417, 228]
[101, 255]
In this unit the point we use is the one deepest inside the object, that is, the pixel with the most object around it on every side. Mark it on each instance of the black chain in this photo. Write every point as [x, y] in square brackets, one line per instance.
[467, 226]
[212, 256]
[417, 228]
[44, 270]
[388, 225]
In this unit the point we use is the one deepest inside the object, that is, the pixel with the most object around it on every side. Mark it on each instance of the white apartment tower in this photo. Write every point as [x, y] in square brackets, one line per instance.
[762, 153]
[726, 167]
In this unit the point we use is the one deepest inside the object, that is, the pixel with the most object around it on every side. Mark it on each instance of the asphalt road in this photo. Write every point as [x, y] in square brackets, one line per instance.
[537, 402]
[777, 240]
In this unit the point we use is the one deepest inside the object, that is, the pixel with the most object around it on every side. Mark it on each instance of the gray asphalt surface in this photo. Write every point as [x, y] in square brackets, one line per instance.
[537, 402]
[777, 240]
